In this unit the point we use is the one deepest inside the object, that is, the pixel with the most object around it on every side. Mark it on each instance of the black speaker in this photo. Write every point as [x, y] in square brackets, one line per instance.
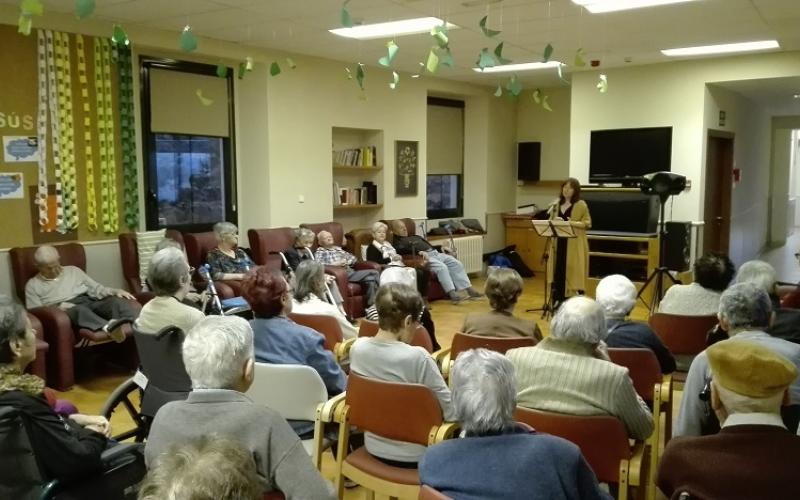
[528, 160]
[677, 246]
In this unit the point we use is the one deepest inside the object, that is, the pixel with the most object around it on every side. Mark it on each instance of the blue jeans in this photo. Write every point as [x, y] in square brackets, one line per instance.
[448, 270]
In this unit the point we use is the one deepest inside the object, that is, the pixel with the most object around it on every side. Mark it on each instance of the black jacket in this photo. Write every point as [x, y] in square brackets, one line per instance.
[630, 334]
[411, 245]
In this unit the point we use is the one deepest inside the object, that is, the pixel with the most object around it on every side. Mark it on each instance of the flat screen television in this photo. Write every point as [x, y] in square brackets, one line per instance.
[528, 160]
[444, 196]
[625, 155]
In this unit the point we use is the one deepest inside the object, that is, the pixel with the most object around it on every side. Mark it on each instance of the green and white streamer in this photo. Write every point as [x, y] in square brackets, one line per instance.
[130, 178]
[41, 129]
[66, 127]
[55, 134]
[88, 152]
[105, 128]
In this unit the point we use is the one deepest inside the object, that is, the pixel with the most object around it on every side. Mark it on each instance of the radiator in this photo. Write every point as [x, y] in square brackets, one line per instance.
[470, 252]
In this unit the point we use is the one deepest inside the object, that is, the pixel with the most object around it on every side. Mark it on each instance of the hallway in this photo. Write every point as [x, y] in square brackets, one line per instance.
[783, 259]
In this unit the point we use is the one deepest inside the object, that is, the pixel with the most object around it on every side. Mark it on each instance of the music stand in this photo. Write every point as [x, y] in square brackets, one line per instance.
[560, 231]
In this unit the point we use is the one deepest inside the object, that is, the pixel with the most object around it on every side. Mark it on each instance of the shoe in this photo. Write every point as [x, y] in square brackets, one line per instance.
[114, 329]
[474, 294]
[454, 297]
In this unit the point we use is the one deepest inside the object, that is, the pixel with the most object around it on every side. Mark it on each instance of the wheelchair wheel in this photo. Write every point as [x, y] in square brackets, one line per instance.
[122, 397]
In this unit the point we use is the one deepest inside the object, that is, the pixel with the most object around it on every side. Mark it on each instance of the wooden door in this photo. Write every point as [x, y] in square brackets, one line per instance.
[717, 207]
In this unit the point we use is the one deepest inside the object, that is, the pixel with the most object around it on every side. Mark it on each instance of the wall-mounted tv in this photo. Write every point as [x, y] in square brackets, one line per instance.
[625, 155]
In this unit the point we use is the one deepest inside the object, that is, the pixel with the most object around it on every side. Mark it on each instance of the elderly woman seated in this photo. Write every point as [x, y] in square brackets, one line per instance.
[484, 400]
[228, 261]
[309, 286]
[331, 254]
[169, 277]
[712, 274]
[503, 288]
[382, 252]
[617, 295]
[192, 297]
[570, 371]
[65, 449]
[387, 356]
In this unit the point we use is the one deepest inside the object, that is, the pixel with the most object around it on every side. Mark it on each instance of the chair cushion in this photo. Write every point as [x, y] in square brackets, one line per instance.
[146, 242]
[362, 460]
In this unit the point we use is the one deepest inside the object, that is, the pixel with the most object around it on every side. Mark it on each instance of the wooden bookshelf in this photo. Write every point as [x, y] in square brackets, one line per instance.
[345, 168]
[366, 206]
[357, 180]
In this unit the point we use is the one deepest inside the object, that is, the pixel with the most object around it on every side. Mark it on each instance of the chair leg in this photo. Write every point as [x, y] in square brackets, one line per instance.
[369, 494]
[341, 451]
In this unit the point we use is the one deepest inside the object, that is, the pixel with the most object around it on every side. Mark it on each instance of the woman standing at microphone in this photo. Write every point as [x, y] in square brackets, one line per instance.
[570, 207]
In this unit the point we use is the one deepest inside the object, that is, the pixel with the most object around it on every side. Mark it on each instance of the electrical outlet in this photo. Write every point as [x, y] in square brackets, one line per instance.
[301, 199]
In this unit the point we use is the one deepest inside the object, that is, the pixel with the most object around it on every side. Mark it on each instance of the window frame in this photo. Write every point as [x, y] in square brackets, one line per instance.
[457, 212]
[146, 63]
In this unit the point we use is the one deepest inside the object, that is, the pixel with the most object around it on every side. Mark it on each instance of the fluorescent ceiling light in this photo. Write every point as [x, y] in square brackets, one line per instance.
[600, 6]
[723, 49]
[504, 68]
[393, 28]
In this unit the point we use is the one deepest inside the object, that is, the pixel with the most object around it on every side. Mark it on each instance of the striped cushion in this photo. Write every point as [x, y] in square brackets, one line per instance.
[145, 246]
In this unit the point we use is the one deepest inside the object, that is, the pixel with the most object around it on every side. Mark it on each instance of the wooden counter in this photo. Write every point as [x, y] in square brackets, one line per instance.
[530, 246]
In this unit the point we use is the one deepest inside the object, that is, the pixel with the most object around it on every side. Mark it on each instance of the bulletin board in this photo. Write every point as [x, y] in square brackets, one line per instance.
[18, 112]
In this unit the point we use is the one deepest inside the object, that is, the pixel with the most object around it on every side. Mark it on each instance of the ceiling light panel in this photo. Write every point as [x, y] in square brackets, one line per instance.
[727, 48]
[391, 29]
[531, 66]
[602, 6]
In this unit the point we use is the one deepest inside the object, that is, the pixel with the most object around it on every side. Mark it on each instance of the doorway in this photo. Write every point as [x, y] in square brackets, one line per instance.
[717, 207]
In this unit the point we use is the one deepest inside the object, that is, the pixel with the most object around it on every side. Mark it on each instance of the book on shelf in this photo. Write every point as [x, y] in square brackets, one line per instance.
[358, 157]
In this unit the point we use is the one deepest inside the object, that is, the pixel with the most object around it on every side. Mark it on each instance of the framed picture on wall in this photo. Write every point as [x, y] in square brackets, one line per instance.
[406, 163]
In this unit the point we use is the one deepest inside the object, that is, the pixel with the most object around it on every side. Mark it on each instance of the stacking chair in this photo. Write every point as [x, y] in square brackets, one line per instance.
[464, 342]
[298, 393]
[404, 412]
[604, 443]
[328, 327]
[421, 338]
[684, 336]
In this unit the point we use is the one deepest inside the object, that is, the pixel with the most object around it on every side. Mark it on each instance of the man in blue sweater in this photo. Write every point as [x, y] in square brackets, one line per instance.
[498, 458]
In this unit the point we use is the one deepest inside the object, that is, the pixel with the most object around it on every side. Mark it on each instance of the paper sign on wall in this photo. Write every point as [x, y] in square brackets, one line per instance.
[19, 148]
[11, 184]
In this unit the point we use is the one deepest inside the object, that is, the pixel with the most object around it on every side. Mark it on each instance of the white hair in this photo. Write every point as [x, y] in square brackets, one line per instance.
[745, 305]
[484, 391]
[304, 233]
[739, 403]
[168, 271]
[215, 351]
[759, 273]
[617, 294]
[377, 226]
[222, 229]
[579, 319]
[46, 254]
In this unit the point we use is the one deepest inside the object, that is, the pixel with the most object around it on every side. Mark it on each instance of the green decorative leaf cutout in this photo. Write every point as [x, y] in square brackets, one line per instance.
[391, 51]
[222, 71]
[24, 24]
[349, 73]
[347, 20]
[486, 31]
[546, 104]
[446, 59]
[84, 8]
[360, 76]
[499, 91]
[242, 70]
[514, 86]
[31, 8]
[498, 52]
[274, 69]
[439, 34]
[486, 59]
[205, 101]
[188, 42]
[119, 37]
[580, 58]
[561, 73]
[395, 80]
[537, 96]
[432, 64]
[602, 84]
[548, 53]
[290, 62]
[420, 71]
[249, 63]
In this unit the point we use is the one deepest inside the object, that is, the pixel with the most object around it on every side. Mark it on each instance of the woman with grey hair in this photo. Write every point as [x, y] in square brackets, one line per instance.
[484, 399]
[228, 261]
[570, 371]
[503, 288]
[309, 285]
[169, 277]
[382, 252]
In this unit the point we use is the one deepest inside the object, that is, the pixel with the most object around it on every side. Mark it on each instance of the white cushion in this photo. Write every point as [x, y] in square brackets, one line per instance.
[145, 247]
[364, 252]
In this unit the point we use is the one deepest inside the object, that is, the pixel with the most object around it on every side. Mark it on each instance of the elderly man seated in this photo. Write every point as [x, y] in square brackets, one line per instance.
[88, 304]
[754, 455]
[218, 355]
[570, 371]
[744, 312]
[329, 254]
[448, 270]
[524, 464]
[617, 295]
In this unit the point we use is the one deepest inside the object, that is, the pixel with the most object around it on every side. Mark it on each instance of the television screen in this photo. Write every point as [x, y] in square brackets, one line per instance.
[444, 196]
[624, 155]
[528, 160]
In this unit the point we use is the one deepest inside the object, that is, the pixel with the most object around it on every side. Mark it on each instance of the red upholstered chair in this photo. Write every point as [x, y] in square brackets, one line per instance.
[464, 342]
[352, 293]
[421, 338]
[435, 290]
[197, 247]
[39, 365]
[58, 331]
[684, 336]
[328, 327]
[129, 256]
[265, 243]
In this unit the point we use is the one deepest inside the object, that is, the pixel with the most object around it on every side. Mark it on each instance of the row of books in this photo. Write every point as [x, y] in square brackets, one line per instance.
[367, 194]
[361, 157]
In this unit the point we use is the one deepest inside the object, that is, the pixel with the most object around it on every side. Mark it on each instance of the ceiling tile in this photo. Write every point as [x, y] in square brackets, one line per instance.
[141, 11]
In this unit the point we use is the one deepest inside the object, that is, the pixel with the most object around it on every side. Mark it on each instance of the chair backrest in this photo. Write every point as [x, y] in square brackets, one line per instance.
[603, 440]
[421, 338]
[294, 391]
[161, 358]
[682, 334]
[643, 368]
[404, 412]
[265, 242]
[357, 238]
[327, 326]
[428, 493]
[129, 255]
[333, 227]
[197, 247]
[411, 227]
[24, 268]
[464, 342]
[20, 476]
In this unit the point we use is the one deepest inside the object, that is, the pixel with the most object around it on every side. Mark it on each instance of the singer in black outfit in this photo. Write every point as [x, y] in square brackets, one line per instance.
[570, 207]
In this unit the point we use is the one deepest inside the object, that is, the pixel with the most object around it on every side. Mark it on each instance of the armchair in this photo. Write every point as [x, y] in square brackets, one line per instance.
[129, 256]
[265, 243]
[435, 290]
[39, 365]
[197, 247]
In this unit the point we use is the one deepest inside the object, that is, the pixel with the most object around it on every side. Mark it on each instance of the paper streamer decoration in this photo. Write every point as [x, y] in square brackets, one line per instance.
[485, 59]
[395, 80]
[580, 58]
[119, 37]
[486, 31]
[432, 63]
[84, 8]
[205, 101]
[222, 71]
[41, 130]
[602, 84]
[498, 53]
[105, 133]
[499, 91]
[290, 62]
[548, 53]
[514, 86]
[391, 52]
[88, 151]
[347, 19]
[274, 69]
[360, 76]
[52, 104]
[130, 176]
[66, 128]
[188, 41]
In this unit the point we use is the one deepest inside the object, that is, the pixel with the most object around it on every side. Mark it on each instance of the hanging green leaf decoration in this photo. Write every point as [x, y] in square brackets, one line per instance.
[561, 73]
[514, 86]
[420, 71]
[580, 58]
[432, 64]
[119, 37]
[360, 76]
[548, 53]
[274, 69]
[347, 20]
[499, 91]
[222, 70]
[486, 59]
[498, 52]
[602, 84]
[439, 33]
[395, 80]
[486, 31]
[24, 24]
[31, 8]
[84, 8]
[249, 63]
[537, 96]
[242, 70]
[446, 58]
[188, 42]
[205, 101]
[290, 62]
[546, 104]
[391, 51]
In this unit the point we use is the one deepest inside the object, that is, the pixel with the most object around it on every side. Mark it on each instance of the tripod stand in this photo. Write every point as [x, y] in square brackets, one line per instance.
[657, 277]
[548, 307]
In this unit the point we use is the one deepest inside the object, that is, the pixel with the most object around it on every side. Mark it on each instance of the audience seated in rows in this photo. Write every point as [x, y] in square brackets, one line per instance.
[448, 270]
[503, 288]
[617, 294]
[208, 468]
[330, 254]
[88, 304]
[382, 252]
[228, 261]
[279, 340]
[387, 356]
[309, 286]
[498, 458]
[754, 455]
[169, 277]
[65, 448]
[712, 274]
[745, 311]
[218, 355]
[570, 372]
[303, 241]
[786, 324]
